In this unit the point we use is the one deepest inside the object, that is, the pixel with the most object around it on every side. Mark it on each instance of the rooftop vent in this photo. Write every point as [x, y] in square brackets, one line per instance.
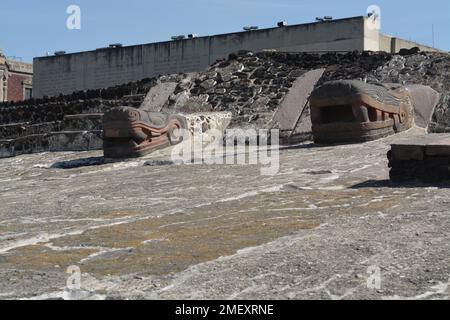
[251, 28]
[181, 37]
[116, 45]
[60, 53]
[282, 24]
[320, 19]
[192, 35]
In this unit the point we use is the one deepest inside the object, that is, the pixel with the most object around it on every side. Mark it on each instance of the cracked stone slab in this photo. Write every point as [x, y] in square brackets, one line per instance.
[158, 96]
[293, 105]
[167, 231]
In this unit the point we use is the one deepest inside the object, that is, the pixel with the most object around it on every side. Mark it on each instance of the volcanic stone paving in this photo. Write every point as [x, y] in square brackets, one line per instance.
[161, 231]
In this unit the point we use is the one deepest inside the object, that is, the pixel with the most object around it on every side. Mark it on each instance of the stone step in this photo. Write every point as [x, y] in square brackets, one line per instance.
[134, 100]
[17, 130]
[85, 121]
[133, 97]
[52, 142]
[78, 122]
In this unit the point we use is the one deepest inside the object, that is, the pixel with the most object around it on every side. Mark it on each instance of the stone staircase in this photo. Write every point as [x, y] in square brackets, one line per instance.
[74, 125]
[74, 133]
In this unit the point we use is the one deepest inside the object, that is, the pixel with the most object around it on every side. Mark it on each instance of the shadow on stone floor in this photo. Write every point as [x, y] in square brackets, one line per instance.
[78, 163]
[396, 185]
[98, 161]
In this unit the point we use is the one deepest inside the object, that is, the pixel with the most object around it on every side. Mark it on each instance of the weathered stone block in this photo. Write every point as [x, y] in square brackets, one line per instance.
[425, 158]
[408, 152]
[439, 147]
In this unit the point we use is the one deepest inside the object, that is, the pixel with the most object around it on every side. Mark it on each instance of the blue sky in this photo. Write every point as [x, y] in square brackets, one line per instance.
[31, 28]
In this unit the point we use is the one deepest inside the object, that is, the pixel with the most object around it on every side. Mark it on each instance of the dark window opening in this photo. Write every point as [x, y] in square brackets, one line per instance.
[28, 93]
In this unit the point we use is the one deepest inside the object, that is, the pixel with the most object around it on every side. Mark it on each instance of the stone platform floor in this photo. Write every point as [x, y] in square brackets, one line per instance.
[222, 231]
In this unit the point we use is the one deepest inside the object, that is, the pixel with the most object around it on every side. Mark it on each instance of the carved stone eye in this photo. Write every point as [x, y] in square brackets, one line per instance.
[133, 115]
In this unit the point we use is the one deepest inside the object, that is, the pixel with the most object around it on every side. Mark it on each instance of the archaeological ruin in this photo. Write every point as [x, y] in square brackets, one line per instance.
[255, 87]
[355, 179]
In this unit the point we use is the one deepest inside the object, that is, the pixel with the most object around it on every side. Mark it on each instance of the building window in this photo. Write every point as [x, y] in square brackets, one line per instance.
[4, 89]
[28, 94]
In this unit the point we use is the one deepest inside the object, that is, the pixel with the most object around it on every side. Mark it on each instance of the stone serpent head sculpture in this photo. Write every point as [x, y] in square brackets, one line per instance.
[349, 111]
[130, 132]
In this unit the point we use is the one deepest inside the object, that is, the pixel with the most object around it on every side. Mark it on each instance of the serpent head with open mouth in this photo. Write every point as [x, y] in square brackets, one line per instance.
[348, 111]
[130, 132]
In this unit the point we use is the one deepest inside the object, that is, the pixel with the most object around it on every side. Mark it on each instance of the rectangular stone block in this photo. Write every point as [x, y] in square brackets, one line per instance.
[425, 158]
[408, 152]
[439, 147]
[417, 148]
[6, 149]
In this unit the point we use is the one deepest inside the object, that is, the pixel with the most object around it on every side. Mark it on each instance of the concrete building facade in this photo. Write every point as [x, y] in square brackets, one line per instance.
[16, 80]
[111, 66]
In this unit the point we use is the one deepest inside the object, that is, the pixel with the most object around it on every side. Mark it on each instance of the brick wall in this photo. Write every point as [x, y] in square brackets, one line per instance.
[15, 87]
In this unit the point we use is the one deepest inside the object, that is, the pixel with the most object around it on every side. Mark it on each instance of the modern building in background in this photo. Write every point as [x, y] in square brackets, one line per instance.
[16, 80]
[113, 65]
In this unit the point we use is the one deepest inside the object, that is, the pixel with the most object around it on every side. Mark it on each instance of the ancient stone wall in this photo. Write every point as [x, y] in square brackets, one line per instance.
[55, 108]
[249, 85]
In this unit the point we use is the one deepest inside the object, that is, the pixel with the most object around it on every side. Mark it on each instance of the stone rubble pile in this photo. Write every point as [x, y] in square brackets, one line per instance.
[253, 85]
[431, 69]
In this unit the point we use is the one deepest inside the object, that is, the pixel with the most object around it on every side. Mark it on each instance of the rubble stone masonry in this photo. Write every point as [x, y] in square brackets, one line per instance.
[250, 85]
